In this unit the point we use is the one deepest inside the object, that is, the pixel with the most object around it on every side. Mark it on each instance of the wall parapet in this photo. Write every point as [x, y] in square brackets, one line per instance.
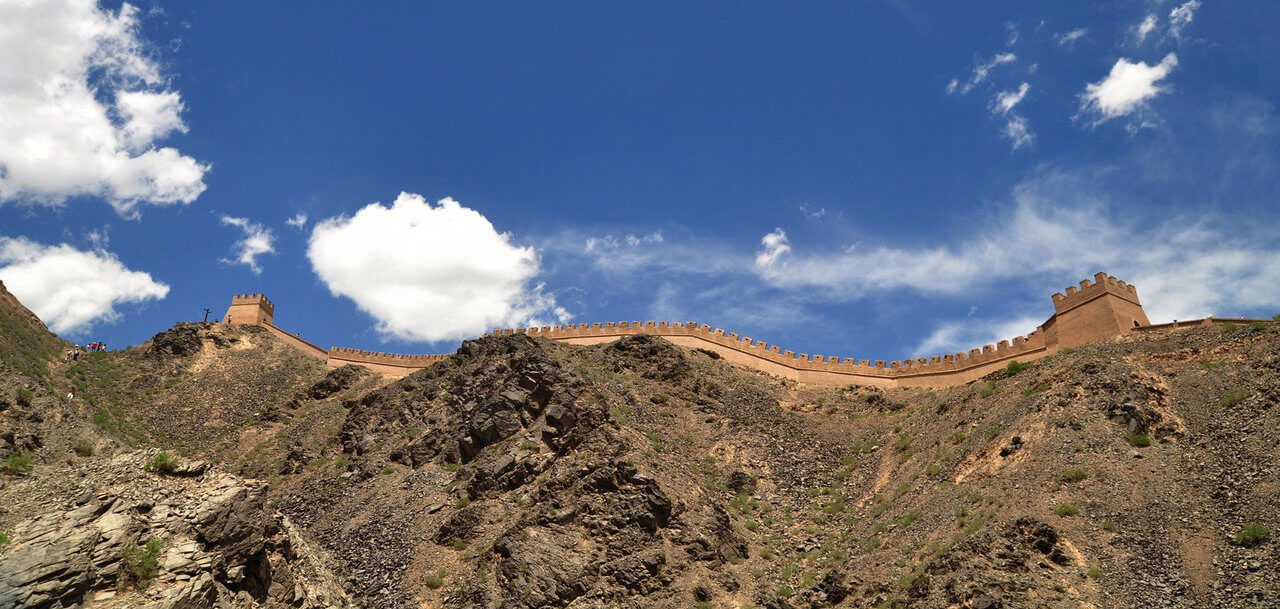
[1070, 320]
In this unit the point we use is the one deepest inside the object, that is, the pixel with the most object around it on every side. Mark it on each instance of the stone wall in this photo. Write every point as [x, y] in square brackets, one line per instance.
[1097, 308]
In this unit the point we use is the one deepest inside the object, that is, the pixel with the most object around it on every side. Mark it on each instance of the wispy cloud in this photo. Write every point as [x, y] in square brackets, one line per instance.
[980, 73]
[298, 221]
[257, 241]
[1016, 128]
[1069, 39]
[1144, 29]
[1181, 17]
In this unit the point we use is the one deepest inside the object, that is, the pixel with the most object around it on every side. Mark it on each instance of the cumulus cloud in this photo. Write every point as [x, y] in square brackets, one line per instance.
[1181, 16]
[72, 289]
[430, 272]
[1126, 89]
[1070, 38]
[980, 73]
[257, 240]
[1016, 128]
[775, 245]
[298, 221]
[82, 109]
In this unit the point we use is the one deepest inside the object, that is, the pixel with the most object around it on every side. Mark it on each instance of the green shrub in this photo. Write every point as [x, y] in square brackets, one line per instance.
[4, 539]
[388, 470]
[958, 437]
[1109, 526]
[17, 464]
[435, 580]
[933, 469]
[1228, 327]
[462, 502]
[1015, 367]
[1034, 389]
[1258, 326]
[1094, 573]
[785, 592]
[902, 443]
[162, 463]
[1066, 509]
[1212, 364]
[1233, 397]
[1074, 474]
[1252, 534]
[25, 396]
[1139, 439]
[911, 517]
[988, 390]
[871, 544]
[993, 432]
[752, 526]
[138, 564]
[84, 447]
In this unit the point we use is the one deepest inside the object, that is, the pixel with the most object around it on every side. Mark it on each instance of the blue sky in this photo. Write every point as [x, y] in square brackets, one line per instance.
[869, 179]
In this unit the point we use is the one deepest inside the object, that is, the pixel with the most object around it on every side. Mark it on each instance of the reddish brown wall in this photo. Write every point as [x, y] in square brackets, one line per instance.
[1098, 308]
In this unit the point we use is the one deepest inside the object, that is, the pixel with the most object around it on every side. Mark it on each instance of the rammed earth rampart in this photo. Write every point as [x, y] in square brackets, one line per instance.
[1097, 308]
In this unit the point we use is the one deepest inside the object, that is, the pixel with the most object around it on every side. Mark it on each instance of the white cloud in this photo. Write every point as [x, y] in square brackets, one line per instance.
[1059, 226]
[257, 240]
[298, 221]
[612, 243]
[72, 289]
[1016, 128]
[775, 245]
[1126, 89]
[1070, 38]
[1181, 16]
[430, 272]
[960, 336]
[1012, 29]
[1145, 28]
[980, 73]
[1005, 101]
[82, 109]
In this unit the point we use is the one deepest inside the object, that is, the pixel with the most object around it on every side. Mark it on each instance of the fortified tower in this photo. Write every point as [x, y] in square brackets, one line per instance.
[251, 309]
[1098, 309]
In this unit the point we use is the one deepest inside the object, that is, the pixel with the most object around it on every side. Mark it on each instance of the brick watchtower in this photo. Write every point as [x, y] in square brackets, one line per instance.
[251, 309]
[1098, 309]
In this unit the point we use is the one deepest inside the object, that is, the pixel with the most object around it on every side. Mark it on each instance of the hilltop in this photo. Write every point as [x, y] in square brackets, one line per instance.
[1132, 471]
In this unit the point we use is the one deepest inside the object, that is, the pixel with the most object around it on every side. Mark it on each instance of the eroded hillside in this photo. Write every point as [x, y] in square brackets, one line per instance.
[526, 473]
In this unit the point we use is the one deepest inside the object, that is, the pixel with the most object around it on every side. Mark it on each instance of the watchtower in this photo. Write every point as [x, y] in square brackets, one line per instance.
[1100, 308]
[251, 309]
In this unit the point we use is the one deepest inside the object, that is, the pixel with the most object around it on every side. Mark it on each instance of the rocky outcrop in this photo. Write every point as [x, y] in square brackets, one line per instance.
[210, 541]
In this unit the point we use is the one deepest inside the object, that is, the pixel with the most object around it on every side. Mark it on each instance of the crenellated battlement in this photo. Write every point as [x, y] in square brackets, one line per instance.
[1097, 308]
[1101, 284]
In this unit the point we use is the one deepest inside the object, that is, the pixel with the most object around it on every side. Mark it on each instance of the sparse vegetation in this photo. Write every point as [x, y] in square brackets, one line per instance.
[435, 580]
[994, 432]
[462, 502]
[1228, 326]
[988, 390]
[1034, 389]
[1234, 397]
[958, 437]
[84, 447]
[24, 396]
[1109, 526]
[1139, 439]
[17, 464]
[1094, 573]
[1015, 367]
[1074, 474]
[162, 463]
[138, 564]
[1252, 535]
[1066, 509]
[1211, 365]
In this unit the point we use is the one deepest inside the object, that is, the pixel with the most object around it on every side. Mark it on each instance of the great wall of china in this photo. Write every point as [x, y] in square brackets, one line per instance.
[1098, 308]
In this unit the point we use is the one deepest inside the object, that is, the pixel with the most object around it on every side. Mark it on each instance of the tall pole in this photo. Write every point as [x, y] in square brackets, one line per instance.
[206, 314]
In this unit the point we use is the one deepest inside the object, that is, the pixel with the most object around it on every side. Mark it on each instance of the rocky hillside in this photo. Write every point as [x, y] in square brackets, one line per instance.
[1137, 472]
